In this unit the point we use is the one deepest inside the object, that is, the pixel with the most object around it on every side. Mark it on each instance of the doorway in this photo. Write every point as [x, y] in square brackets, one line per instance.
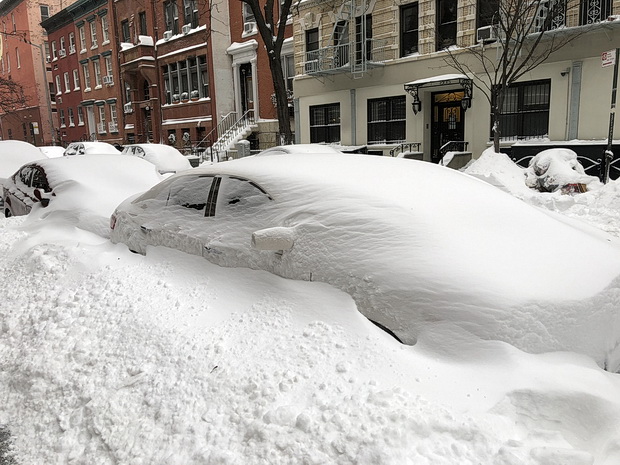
[247, 89]
[448, 121]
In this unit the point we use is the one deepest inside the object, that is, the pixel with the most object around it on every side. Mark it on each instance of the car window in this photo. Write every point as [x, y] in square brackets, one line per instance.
[71, 150]
[240, 196]
[25, 175]
[188, 192]
[80, 149]
[39, 180]
[139, 151]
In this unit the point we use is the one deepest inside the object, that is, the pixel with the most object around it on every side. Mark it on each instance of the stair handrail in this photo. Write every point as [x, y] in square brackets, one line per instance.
[247, 119]
[401, 148]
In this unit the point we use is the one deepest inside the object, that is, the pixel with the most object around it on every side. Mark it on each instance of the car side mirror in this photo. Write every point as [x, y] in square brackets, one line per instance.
[278, 238]
[39, 196]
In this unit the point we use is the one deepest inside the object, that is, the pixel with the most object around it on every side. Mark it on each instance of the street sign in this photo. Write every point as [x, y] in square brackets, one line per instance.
[608, 58]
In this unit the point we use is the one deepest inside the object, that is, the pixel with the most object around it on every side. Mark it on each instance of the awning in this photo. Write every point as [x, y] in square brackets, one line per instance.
[438, 81]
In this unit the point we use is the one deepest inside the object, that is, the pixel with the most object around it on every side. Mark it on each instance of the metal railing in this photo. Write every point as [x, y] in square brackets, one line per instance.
[405, 147]
[229, 128]
[348, 57]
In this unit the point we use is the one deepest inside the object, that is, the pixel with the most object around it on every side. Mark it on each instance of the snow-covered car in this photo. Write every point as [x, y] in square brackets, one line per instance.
[13, 154]
[90, 148]
[558, 169]
[167, 159]
[52, 151]
[87, 188]
[415, 245]
[311, 149]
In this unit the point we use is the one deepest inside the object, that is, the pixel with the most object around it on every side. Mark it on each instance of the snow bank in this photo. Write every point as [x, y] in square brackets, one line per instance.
[109, 357]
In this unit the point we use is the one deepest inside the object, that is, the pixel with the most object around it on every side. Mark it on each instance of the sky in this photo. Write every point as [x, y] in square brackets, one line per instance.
[109, 357]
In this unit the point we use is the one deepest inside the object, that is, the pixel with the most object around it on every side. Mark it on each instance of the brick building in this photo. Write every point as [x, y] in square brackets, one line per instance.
[23, 59]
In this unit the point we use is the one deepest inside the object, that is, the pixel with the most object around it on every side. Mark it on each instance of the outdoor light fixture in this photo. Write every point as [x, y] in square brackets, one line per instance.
[467, 92]
[417, 106]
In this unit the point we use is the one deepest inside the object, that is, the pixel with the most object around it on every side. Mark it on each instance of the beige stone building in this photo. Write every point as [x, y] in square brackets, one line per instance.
[376, 74]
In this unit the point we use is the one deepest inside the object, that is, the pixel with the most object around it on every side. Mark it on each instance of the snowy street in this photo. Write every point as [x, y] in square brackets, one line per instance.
[109, 357]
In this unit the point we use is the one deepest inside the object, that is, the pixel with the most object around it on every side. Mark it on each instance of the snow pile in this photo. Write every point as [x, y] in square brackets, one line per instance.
[109, 357]
[558, 169]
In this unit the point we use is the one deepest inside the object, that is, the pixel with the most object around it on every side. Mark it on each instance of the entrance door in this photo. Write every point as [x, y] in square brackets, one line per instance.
[247, 89]
[448, 121]
[92, 127]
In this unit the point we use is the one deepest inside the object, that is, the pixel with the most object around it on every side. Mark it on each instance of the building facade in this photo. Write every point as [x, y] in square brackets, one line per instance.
[23, 60]
[362, 65]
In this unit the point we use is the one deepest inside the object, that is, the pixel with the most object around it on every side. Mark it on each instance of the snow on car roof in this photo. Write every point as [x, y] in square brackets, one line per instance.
[95, 184]
[14, 154]
[474, 226]
[165, 157]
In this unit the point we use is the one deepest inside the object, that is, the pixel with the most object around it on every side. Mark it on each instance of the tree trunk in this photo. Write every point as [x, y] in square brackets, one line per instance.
[279, 87]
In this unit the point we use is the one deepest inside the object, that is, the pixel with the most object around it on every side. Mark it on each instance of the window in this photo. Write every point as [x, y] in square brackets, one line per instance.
[71, 118]
[61, 116]
[97, 67]
[105, 26]
[363, 38]
[526, 110]
[487, 11]
[52, 91]
[408, 29]
[188, 77]
[341, 41]
[108, 66]
[325, 123]
[593, 11]
[19, 63]
[171, 16]
[62, 46]
[47, 49]
[13, 21]
[71, 42]
[551, 14]
[446, 24]
[288, 63]
[54, 56]
[80, 116]
[248, 14]
[386, 120]
[113, 118]
[76, 80]
[101, 125]
[45, 12]
[190, 13]
[82, 38]
[8, 63]
[312, 50]
[67, 82]
[86, 73]
[58, 88]
[93, 34]
[312, 39]
[142, 22]
[126, 34]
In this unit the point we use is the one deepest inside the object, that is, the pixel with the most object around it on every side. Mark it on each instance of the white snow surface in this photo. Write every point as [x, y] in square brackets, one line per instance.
[14, 154]
[108, 357]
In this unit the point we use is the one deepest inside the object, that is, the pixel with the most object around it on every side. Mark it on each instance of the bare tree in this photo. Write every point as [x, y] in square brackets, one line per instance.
[527, 33]
[12, 96]
[272, 31]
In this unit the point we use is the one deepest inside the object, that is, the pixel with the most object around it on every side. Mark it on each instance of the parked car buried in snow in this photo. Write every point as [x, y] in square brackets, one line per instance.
[415, 245]
[90, 148]
[167, 159]
[87, 188]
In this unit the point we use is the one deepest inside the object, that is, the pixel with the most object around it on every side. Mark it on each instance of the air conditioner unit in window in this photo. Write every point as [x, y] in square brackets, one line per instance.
[72, 49]
[186, 28]
[128, 108]
[62, 53]
[486, 34]
[249, 28]
[108, 80]
[167, 35]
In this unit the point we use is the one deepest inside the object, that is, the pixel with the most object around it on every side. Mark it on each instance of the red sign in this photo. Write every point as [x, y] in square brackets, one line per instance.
[608, 58]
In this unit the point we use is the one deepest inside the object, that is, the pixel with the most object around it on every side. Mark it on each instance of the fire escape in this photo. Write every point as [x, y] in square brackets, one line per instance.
[343, 55]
